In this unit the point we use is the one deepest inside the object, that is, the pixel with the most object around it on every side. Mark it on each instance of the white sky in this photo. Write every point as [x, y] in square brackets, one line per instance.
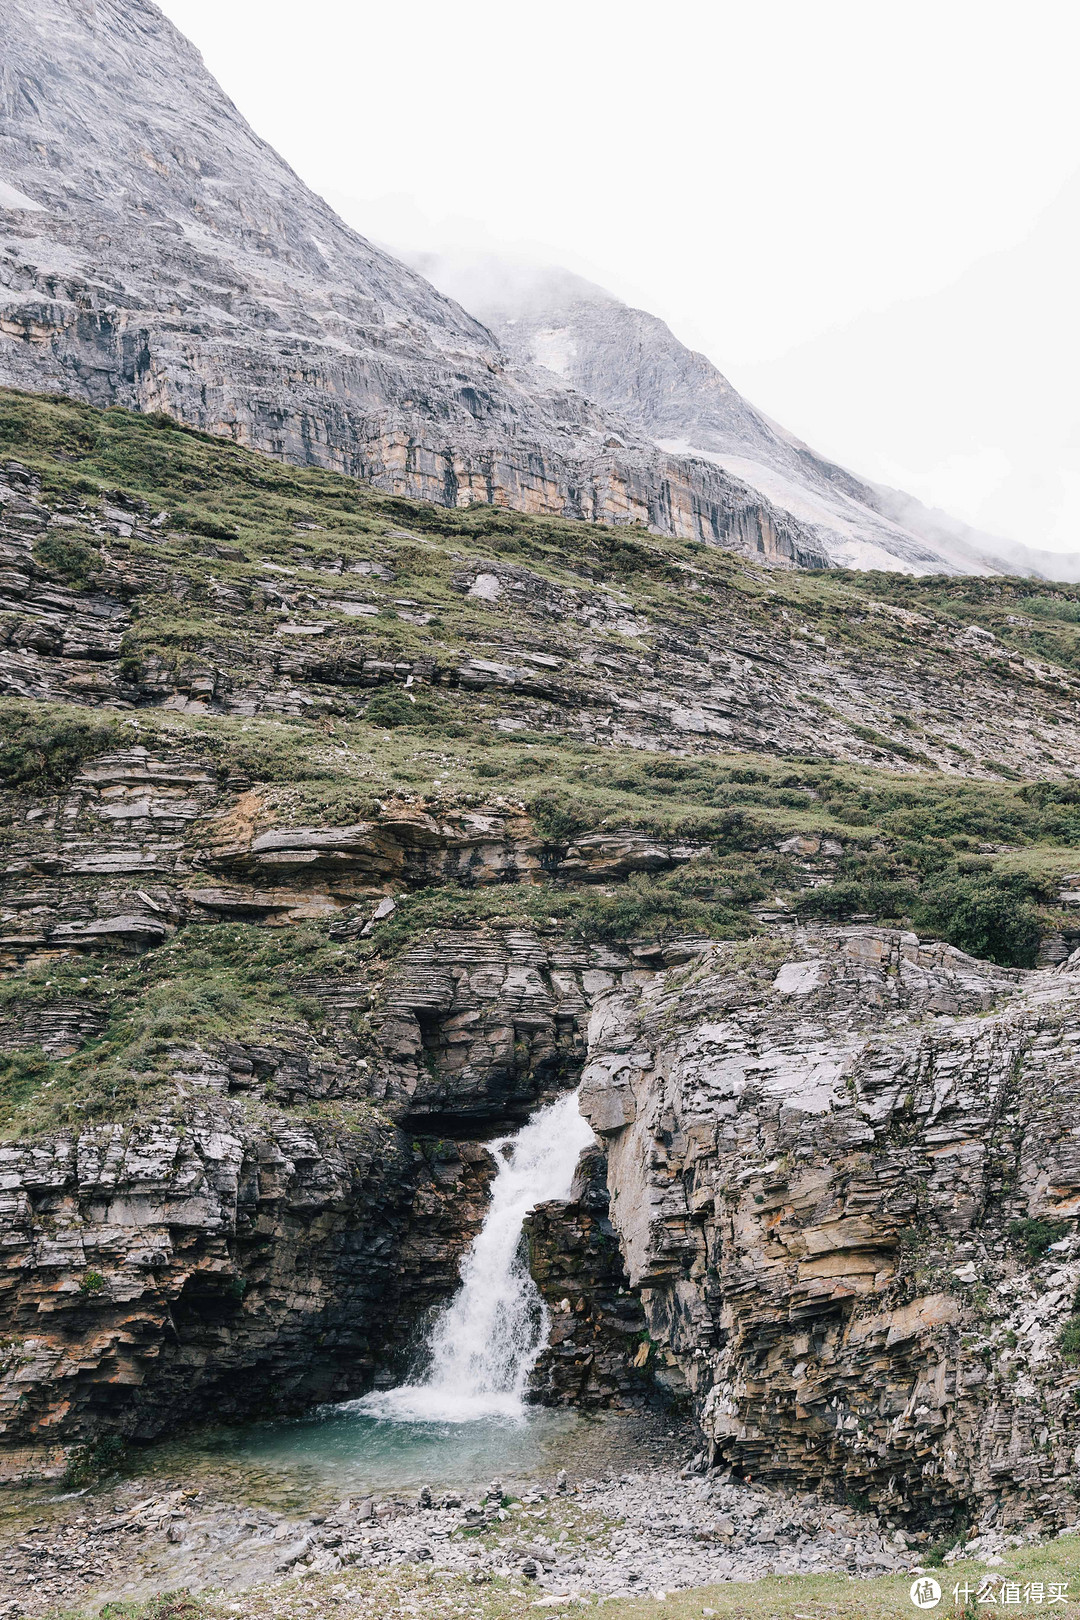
[802, 190]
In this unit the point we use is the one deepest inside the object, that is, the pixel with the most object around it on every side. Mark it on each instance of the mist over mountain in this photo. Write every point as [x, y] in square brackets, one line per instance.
[632, 363]
[157, 254]
[998, 440]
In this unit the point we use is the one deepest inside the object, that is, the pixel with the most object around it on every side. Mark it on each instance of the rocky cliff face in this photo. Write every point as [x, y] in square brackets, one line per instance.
[155, 253]
[332, 847]
[274, 1226]
[597, 1353]
[631, 363]
[827, 1158]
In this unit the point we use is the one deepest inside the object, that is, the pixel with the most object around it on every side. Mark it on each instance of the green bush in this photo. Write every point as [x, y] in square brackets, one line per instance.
[850, 897]
[933, 1556]
[1050, 607]
[654, 907]
[1069, 1341]
[559, 817]
[92, 1462]
[64, 557]
[202, 523]
[93, 1282]
[983, 915]
[43, 749]
[388, 709]
[1036, 1236]
[21, 1076]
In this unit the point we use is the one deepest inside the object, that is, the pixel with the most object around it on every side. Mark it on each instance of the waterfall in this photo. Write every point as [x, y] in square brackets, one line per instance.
[485, 1344]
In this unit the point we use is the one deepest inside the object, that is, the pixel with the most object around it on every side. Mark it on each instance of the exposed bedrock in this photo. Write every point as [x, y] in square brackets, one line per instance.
[569, 658]
[819, 1151]
[155, 253]
[145, 840]
[598, 1353]
[192, 1268]
[276, 1232]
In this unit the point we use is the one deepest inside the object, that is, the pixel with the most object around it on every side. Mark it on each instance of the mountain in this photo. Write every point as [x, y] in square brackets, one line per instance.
[155, 253]
[632, 363]
[343, 831]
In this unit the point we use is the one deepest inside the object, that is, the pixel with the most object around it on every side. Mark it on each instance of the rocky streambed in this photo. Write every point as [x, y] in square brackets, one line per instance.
[657, 1527]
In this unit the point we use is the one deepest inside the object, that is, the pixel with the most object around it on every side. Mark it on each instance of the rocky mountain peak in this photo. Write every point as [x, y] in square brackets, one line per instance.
[633, 364]
[157, 254]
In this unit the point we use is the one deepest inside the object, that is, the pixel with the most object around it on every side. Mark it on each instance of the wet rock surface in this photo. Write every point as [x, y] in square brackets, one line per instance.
[597, 1353]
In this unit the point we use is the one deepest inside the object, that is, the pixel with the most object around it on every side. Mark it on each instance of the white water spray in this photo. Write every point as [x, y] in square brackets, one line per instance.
[486, 1343]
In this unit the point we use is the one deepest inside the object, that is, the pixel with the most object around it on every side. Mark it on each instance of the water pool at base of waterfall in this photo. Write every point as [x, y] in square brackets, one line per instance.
[381, 1454]
[315, 1462]
[463, 1419]
[345, 1452]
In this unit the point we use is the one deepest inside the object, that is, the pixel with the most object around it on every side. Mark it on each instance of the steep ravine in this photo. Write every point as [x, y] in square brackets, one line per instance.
[271, 1228]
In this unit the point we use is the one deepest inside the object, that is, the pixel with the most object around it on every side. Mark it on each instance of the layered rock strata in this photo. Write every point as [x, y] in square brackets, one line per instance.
[273, 1233]
[157, 254]
[597, 1353]
[825, 1156]
[564, 659]
[147, 839]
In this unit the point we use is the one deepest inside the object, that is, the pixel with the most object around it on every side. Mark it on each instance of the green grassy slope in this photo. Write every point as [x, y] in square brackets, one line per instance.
[976, 860]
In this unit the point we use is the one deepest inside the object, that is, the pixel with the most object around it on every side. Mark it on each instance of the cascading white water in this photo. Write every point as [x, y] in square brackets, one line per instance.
[486, 1343]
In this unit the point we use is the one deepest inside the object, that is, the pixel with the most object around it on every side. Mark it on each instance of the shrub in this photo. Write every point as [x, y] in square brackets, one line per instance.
[1069, 1341]
[1050, 607]
[21, 1075]
[66, 558]
[647, 907]
[983, 915]
[43, 749]
[389, 708]
[90, 1463]
[93, 1282]
[202, 523]
[934, 1556]
[557, 818]
[849, 897]
[1036, 1236]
